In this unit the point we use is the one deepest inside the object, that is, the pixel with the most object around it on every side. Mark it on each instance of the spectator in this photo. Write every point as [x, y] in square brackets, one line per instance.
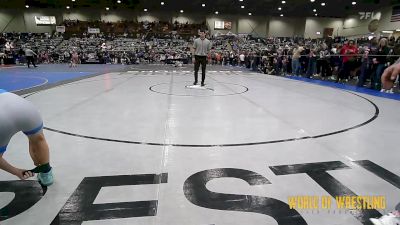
[379, 64]
[348, 60]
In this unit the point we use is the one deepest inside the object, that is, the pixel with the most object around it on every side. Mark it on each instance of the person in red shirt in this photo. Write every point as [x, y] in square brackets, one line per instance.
[218, 58]
[348, 60]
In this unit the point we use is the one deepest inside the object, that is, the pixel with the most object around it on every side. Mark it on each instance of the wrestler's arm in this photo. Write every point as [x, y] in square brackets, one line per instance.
[390, 74]
[20, 173]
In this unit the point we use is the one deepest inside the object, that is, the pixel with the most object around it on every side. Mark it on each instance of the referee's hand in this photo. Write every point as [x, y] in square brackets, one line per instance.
[389, 76]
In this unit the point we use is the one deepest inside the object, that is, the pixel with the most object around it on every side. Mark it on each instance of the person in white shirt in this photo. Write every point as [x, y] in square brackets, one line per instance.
[20, 115]
[242, 58]
[8, 47]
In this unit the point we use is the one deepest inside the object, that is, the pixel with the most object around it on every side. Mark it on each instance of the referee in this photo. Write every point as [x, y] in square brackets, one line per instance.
[29, 56]
[202, 47]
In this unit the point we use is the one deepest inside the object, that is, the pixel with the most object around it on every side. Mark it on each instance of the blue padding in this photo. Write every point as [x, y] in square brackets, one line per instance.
[2, 91]
[34, 131]
[362, 90]
[20, 78]
[3, 149]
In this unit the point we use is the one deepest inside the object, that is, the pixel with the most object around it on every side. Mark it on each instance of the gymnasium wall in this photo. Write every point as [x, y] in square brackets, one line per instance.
[314, 25]
[286, 27]
[259, 26]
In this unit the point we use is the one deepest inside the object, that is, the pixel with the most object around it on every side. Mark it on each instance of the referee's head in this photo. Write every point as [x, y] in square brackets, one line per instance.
[202, 33]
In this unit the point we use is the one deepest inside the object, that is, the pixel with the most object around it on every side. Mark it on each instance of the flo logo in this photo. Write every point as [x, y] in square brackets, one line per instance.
[366, 15]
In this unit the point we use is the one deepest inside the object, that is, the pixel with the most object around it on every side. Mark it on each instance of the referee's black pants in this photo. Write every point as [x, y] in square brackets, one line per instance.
[203, 61]
[29, 60]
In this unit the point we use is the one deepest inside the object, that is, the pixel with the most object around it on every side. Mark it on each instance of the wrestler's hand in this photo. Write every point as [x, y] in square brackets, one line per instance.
[23, 174]
[389, 76]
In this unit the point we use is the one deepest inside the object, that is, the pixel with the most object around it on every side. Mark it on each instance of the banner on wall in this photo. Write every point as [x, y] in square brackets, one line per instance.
[395, 14]
[60, 29]
[222, 25]
[45, 20]
[372, 15]
[93, 30]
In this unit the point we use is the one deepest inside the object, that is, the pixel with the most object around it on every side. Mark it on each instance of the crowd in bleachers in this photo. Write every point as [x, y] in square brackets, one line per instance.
[12, 45]
[131, 28]
[157, 42]
[359, 61]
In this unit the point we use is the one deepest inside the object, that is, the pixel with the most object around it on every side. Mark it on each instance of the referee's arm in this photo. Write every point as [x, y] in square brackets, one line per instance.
[194, 51]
